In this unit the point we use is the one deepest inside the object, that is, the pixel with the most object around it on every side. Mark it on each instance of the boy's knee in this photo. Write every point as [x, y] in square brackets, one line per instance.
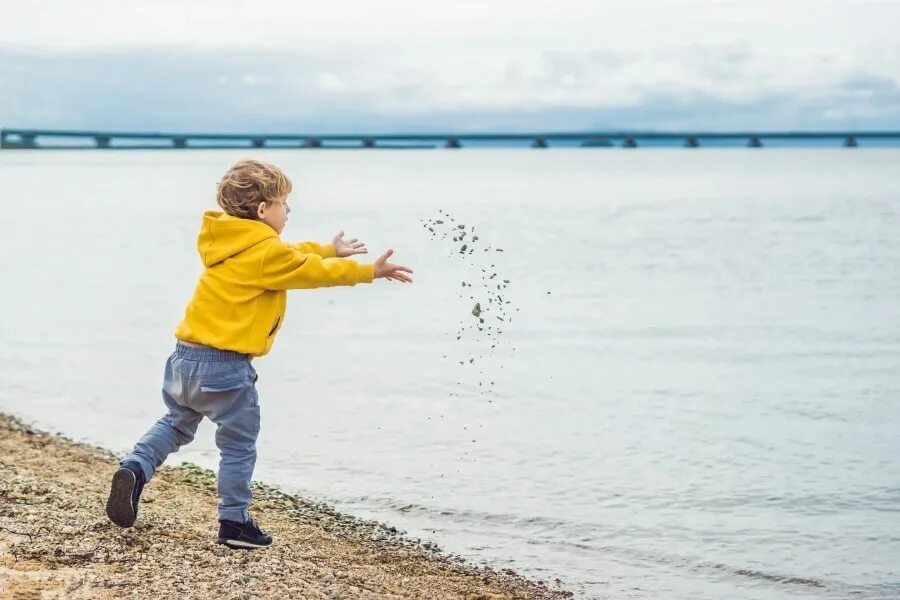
[237, 438]
[236, 449]
[184, 432]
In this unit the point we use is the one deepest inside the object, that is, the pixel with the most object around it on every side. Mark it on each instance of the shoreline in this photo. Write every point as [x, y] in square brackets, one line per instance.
[56, 541]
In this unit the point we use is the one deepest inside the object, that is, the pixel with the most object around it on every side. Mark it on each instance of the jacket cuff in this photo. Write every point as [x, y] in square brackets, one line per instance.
[366, 273]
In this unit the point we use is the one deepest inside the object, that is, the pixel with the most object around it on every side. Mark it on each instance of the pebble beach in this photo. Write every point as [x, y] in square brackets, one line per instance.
[56, 541]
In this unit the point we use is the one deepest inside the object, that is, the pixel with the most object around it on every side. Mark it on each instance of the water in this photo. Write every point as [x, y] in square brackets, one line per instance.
[705, 405]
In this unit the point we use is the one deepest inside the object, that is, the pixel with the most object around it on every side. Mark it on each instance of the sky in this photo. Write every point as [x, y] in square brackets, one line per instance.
[431, 65]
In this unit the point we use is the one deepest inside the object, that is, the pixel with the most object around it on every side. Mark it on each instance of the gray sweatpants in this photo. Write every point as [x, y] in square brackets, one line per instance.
[220, 385]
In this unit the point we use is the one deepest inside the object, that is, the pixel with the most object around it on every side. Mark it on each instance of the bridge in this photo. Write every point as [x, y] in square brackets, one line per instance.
[72, 139]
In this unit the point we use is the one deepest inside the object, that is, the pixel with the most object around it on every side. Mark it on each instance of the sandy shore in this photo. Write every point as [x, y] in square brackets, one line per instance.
[56, 542]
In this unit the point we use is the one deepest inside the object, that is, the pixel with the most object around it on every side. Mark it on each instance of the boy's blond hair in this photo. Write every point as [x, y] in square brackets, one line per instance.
[248, 183]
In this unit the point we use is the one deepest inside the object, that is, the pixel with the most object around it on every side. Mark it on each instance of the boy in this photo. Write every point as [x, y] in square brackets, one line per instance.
[237, 309]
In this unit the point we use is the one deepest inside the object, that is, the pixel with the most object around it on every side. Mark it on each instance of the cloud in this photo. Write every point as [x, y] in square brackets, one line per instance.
[347, 64]
[697, 86]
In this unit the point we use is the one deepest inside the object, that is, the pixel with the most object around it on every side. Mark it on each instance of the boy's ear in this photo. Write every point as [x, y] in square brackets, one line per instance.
[261, 209]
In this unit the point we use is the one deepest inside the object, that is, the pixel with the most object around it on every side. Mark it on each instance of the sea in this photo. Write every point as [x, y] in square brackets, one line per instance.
[683, 380]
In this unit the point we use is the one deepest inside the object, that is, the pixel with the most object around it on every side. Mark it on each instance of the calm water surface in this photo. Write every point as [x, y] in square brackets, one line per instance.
[706, 404]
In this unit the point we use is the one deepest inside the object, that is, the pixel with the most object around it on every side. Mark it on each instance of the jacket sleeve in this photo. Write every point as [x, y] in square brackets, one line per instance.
[284, 267]
[323, 250]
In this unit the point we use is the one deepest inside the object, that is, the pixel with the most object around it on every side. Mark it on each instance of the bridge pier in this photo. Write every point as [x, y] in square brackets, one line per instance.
[754, 142]
[452, 143]
[179, 142]
[629, 142]
[24, 141]
[311, 143]
[368, 143]
[692, 142]
[850, 142]
[258, 142]
[539, 143]
[102, 141]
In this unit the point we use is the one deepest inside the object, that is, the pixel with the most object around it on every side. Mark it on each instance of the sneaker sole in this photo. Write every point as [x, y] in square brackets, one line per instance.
[119, 508]
[239, 545]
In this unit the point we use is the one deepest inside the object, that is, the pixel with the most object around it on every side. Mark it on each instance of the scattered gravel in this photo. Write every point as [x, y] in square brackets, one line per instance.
[483, 287]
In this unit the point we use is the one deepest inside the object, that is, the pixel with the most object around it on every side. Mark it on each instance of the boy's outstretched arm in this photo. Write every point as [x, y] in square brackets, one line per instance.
[284, 267]
[323, 250]
[338, 247]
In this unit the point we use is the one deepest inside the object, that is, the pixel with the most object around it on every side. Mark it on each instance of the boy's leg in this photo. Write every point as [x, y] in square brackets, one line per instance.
[227, 396]
[238, 428]
[169, 433]
[175, 429]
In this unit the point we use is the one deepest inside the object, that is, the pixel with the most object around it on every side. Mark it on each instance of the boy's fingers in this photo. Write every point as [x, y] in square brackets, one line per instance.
[351, 242]
[395, 269]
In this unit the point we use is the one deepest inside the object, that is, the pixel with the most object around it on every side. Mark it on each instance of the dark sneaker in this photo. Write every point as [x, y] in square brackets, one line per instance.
[243, 535]
[124, 495]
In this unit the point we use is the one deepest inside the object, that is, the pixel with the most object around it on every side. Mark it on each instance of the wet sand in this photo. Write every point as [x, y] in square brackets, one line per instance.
[56, 541]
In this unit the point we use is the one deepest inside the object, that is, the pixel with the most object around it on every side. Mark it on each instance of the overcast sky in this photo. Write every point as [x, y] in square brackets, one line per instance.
[403, 65]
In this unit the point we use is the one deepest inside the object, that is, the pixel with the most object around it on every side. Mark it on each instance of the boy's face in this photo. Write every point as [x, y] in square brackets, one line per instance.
[274, 213]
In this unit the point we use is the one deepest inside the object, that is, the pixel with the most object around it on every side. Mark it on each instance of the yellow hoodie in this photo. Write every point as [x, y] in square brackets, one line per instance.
[239, 302]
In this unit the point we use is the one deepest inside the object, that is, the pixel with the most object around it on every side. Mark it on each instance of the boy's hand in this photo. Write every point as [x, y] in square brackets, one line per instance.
[390, 271]
[343, 249]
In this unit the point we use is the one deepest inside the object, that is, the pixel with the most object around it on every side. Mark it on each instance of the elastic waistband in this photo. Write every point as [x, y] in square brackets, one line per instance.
[207, 353]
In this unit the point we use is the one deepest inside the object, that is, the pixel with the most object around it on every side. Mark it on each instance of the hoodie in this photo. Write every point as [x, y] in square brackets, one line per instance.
[239, 302]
